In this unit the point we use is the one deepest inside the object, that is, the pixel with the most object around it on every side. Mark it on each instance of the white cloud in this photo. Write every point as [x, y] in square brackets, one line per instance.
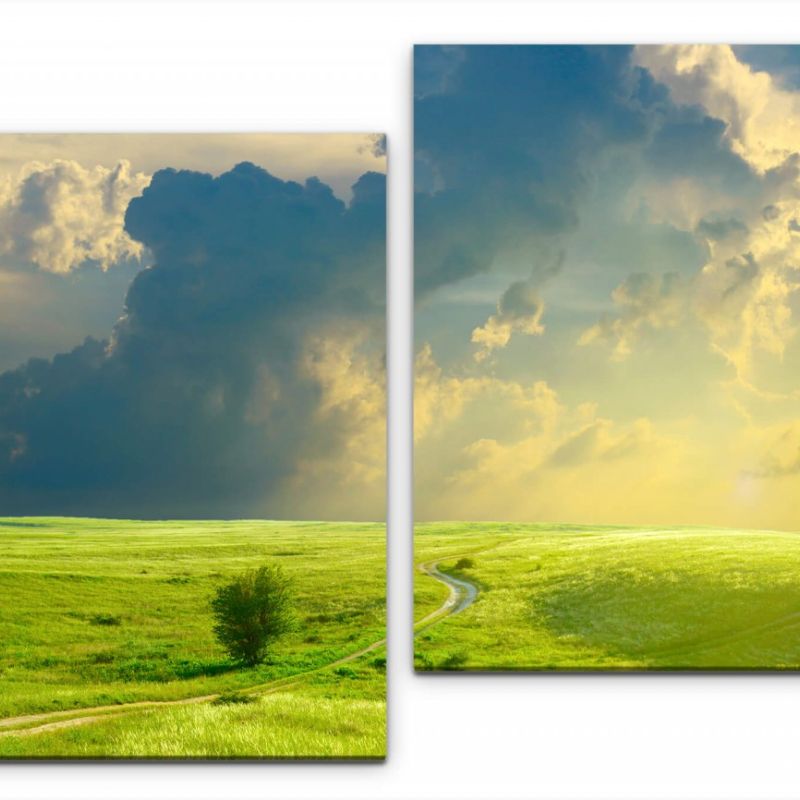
[335, 158]
[763, 119]
[61, 215]
[745, 295]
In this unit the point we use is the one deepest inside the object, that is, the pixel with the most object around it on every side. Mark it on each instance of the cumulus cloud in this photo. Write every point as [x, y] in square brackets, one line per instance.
[673, 188]
[743, 296]
[215, 390]
[564, 132]
[745, 293]
[519, 310]
[61, 215]
[509, 185]
[761, 119]
[741, 202]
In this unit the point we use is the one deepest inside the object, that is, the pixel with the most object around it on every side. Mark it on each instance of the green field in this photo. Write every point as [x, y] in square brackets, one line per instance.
[611, 598]
[97, 614]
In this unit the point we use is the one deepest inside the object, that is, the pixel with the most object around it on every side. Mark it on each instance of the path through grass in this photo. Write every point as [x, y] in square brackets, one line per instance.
[103, 612]
[588, 598]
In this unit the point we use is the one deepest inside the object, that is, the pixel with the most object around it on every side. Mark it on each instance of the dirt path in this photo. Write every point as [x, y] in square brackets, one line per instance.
[462, 593]
[70, 718]
[10, 722]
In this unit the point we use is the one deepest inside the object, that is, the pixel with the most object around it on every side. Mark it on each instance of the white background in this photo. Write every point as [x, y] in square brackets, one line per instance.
[272, 66]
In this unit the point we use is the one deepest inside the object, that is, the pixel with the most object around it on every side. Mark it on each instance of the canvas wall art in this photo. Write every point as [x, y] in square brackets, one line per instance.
[192, 405]
[607, 412]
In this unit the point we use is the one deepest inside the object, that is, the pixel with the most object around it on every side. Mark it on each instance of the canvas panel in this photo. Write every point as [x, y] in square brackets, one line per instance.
[607, 410]
[192, 405]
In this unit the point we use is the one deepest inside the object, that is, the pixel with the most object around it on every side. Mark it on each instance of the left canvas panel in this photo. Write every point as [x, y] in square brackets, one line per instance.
[192, 457]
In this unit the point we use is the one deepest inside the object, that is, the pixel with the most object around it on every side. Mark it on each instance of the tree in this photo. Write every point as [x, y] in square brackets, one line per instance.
[252, 611]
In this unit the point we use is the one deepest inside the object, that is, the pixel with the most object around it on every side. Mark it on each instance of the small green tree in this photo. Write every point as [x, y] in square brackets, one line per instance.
[252, 611]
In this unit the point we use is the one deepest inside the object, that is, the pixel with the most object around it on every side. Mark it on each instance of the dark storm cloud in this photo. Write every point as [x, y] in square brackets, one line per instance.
[510, 140]
[196, 407]
[501, 143]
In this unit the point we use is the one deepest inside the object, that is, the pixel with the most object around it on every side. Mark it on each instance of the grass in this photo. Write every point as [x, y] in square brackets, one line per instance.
[611, 598]
[328, 718]
[102, 612]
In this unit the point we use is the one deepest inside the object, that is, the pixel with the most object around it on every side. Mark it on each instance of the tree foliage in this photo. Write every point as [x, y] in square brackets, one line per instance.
[252, 611]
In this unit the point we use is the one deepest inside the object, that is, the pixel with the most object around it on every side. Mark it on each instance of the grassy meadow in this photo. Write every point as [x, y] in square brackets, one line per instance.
[611, 598]
[100, 613]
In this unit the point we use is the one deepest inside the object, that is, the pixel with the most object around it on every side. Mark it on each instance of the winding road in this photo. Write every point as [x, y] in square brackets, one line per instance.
[70, 718]
[462, 594]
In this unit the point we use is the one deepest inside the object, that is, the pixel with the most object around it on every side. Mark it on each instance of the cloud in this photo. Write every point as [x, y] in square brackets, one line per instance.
[61, 215]
[775, 468]
[519, 310]
[442, 398]
[336, 158]
[716, 228]
[726, 167]
[505, 449]
[377, 145]
[512, 450]
[745, 293]
[761, 119]
[782, 62]
[212, 394]
[43, 313]
[602, 441]
[505, 142]
[570, 139]
[670, 179]
[778, 451]
[352, 403]
[742, 297]
[689, 142]
[646, 302]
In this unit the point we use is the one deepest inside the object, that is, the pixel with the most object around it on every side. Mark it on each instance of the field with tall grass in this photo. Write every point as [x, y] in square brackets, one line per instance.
[97, 614]
[555, 597]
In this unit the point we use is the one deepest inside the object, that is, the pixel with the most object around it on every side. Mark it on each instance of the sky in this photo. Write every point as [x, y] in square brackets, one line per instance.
[192, 325]
[607, 264]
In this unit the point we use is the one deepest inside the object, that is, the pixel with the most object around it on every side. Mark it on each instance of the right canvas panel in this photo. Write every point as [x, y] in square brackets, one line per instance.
[607, 403]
